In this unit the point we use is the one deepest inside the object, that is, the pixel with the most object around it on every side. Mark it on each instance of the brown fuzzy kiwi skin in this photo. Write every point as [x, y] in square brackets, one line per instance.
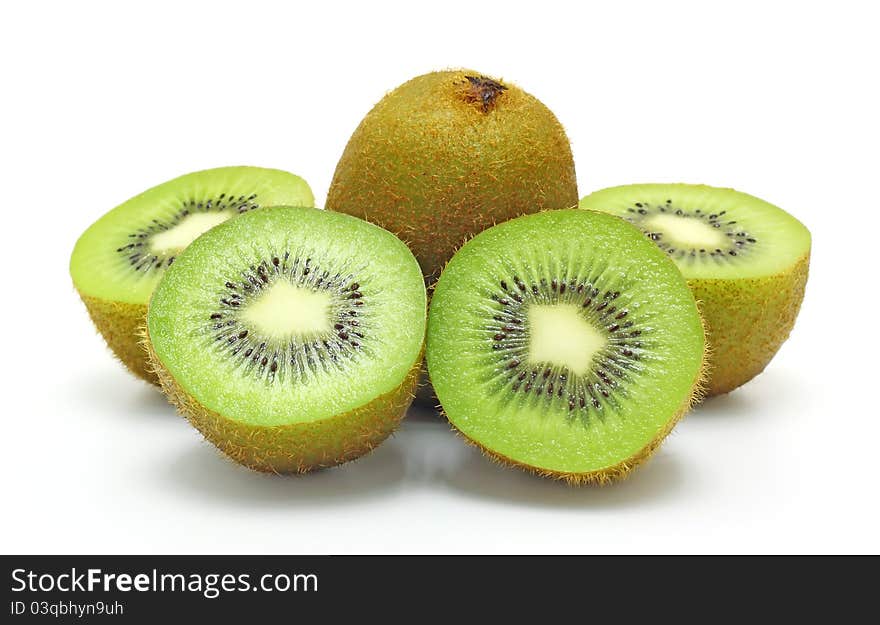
[296, 448]
[434, 164]
[121, 324]
[748, 320]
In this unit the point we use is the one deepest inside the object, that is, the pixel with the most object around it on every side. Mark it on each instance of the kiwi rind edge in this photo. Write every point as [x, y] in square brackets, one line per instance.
[742, 348]
[295, 448]
[622, 469]
[118, 322]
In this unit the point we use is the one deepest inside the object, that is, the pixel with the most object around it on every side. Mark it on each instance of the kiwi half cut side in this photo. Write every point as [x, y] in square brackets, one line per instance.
[291, 338]
[119, 259]
[745, 259]
[566, 343]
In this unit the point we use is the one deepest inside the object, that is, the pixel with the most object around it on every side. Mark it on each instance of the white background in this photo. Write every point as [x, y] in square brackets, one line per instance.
[100, 101]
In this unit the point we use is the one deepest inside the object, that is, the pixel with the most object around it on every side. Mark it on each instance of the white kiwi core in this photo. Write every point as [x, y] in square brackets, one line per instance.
[559, 335]
[288, 311]
[686, 232]
[176, 239]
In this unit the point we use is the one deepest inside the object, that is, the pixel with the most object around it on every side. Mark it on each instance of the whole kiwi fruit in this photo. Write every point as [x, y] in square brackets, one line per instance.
[449, 154]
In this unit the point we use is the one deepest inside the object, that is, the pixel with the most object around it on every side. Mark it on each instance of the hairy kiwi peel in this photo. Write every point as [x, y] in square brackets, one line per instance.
[748, 321]
[299, 447]
[118, 322]
[447, 155]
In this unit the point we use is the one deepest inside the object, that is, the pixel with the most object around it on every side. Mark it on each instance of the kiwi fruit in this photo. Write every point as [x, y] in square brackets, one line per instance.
[291, 338]
[745, 259]
[565, 343]
[449, 154]
[118, 261]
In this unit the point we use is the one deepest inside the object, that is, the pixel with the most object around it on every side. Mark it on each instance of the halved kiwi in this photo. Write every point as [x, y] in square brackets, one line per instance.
[745, 259]
[119, 259]
[290, 337]
[566, 343]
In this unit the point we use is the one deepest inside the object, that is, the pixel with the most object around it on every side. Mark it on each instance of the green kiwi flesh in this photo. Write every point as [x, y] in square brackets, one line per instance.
[565, 343]
[119, 260]
[291, 337]
[745, 259]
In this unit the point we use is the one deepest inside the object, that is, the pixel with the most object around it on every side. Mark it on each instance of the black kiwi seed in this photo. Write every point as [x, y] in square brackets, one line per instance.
[646, 209]
[267, 356]
[139, 262]
[614, 367]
